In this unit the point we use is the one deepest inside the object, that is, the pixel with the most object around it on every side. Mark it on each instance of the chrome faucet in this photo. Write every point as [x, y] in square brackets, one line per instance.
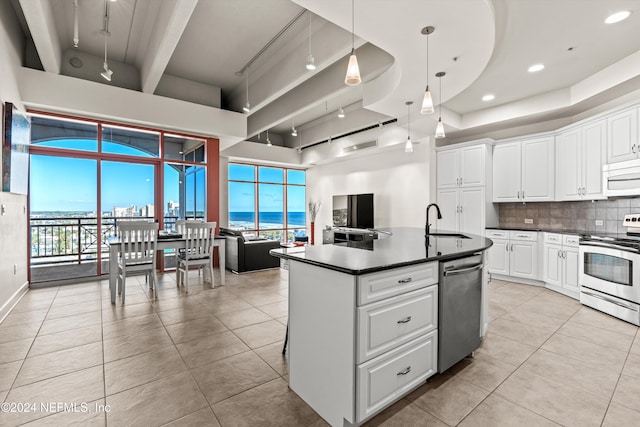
[427, 225]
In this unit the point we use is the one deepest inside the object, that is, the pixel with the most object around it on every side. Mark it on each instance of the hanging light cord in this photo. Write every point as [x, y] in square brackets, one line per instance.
[309, 33]
[427, 60]
[106, 28]
[409, 124]
[76, 39]
[440, 114]
[353, 25]
[247, 86]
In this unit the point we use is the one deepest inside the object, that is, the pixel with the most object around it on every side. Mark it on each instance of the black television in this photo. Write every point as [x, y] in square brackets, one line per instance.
[353, 211]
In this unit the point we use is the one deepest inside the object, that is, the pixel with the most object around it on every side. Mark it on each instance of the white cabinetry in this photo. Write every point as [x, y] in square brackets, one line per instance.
[462, 193]
[514, 253]
[524, 171]
[463, 210]
[462, 167]
[622, 142]
[580, 154]
[375, 343]
[561, 263]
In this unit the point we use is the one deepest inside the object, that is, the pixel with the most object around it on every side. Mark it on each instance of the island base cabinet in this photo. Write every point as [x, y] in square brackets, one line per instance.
[386, 378]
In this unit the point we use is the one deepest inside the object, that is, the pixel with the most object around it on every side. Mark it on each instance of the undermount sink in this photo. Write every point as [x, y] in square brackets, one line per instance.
[451, 235]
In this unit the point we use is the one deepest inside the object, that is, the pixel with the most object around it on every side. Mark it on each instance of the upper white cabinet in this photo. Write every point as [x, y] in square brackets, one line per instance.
[462, 167]
[464, 188]
[623, 141]
[580, 154]
[523, 171]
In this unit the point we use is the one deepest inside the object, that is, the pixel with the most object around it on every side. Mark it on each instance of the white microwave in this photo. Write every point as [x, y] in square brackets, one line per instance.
[621, 179]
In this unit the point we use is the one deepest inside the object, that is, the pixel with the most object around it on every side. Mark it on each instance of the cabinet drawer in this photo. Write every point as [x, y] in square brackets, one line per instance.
[497, 234]
[553, 238]
[386, 324]
[523, 235]
[376, 286]
[570, 240]
[386, 378]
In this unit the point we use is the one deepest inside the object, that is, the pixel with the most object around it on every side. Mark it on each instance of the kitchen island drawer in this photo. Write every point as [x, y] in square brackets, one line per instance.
[377, 286]
[383, 380]
[386, 324]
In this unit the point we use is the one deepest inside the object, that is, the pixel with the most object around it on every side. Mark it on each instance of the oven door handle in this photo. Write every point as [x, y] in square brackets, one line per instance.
[610, 300]
[609, 245]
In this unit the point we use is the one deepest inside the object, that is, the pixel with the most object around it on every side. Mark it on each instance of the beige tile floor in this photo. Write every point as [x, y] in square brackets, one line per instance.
[213, 357]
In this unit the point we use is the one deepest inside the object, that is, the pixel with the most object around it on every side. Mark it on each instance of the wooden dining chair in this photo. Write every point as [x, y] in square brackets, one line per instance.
[198, 251]
[137, 253]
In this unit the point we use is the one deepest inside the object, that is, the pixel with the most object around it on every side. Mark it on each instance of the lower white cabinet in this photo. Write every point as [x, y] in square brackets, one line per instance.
[561, 263]
[385, 379]
[463, 209]
[359, 343]
[514, 253]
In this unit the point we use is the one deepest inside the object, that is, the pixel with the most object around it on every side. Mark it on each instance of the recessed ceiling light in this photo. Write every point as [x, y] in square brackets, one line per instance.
[488, 97]
[536, 67]
[617, 17]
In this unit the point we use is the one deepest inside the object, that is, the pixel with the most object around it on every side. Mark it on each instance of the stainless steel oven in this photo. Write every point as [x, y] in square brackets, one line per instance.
[610, 275]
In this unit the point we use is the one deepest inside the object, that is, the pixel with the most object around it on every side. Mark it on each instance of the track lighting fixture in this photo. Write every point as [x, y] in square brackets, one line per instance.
[294, 131]
[427, 102]
[408, 147]
[311, 62]
[440, 126]
[107, 73]
[269, 144]
[341, 113]
[247, 107]
[353, 71]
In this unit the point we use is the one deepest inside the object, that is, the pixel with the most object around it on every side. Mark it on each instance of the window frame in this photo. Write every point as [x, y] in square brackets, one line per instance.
[258, 231]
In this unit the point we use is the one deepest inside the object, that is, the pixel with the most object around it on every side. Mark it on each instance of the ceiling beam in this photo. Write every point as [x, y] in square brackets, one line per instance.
[173, 18]
[39, 17]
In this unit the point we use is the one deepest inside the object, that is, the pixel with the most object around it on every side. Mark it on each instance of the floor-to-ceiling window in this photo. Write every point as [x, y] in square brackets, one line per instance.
[86, 176]
[267, 201]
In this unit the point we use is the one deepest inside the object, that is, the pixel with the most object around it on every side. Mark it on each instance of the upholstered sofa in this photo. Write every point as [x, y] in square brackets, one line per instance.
[244, 255]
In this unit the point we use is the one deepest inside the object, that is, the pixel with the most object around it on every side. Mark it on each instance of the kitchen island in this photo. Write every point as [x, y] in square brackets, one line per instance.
[363, 318]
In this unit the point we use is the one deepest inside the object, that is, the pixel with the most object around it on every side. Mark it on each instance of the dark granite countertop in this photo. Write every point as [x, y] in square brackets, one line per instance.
[406, 246]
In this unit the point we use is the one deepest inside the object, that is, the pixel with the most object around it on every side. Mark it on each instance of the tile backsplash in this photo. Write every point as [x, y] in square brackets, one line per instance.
[563, 216]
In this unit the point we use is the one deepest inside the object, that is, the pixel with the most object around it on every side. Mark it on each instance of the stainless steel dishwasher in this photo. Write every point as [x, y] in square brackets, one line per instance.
[459, 303]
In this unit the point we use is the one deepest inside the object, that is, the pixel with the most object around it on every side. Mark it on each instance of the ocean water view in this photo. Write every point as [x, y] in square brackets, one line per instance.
[246, 220]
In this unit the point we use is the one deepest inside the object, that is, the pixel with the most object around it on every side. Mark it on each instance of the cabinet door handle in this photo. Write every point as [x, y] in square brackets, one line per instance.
[460, 208]
[461, 181]
[405, 371]
[407, 280]
[506, 247]
[522, 194]
[633, 148]
[405, 320]
[512, 247]
[559, 254]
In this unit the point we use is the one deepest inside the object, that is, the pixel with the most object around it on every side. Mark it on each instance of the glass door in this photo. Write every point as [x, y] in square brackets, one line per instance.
[63, 218]
[127, 193]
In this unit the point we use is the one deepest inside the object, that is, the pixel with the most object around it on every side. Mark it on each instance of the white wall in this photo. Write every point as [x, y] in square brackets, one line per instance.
[13, 224]
[398, 180]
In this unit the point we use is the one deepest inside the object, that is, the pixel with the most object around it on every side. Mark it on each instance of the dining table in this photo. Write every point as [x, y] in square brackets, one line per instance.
[162, 243]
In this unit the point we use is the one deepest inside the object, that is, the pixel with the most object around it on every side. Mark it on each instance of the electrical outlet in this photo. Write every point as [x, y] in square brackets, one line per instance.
[528, 221]
[599, 222]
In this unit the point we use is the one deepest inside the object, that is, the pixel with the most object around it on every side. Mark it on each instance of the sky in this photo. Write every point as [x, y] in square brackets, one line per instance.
[70, 184]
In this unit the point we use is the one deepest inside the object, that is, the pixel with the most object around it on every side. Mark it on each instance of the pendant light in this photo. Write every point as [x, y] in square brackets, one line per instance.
[427, 101]
[353, 71]
[440, 126]
[341, 113]
[408, 147]
[269, 144]
[247, 107]
[107, 73]
[311, 62]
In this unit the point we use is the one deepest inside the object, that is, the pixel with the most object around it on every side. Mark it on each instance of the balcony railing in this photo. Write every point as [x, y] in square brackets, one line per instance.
[56, 240]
